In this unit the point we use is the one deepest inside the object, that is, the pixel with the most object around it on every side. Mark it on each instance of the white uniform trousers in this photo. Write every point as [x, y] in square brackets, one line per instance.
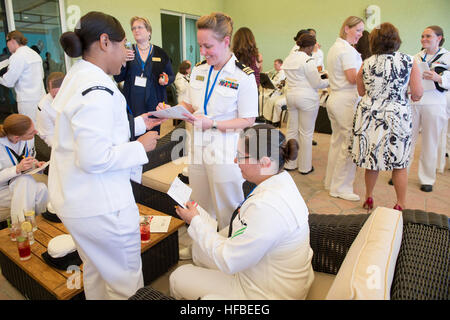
[340, 173]
[217, 188]
[191, 282]
[201, 279]
[301, 123]
[28, 108]
[431, 119]
[272, 107]
[110, 247]
[443, 148]
[24, 193]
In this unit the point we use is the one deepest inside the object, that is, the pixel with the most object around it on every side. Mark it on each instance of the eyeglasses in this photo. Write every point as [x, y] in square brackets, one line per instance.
[137, 27]
[240, 157]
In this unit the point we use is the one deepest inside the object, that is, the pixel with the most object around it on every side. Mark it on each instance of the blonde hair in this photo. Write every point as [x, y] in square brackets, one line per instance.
[147, 24]
[15, 125]
[349, 22]
[220, 23]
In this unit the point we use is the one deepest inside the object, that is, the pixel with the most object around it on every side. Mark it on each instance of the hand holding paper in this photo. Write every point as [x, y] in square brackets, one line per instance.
[176, 112]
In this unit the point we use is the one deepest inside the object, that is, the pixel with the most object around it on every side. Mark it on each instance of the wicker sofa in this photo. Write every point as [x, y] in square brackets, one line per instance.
[422, 265]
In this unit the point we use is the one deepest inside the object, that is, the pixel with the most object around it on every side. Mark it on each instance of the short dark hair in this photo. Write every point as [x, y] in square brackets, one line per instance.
[184, 66]
[306, 40]
[264, 140]
[280, 61]
[18, 36]
[384, 39]
[301, 32]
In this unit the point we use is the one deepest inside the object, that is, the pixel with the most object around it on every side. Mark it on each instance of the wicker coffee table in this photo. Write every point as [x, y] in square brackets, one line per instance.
[36, 280]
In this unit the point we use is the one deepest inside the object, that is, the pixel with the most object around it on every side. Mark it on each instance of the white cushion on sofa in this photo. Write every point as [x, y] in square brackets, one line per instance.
[368, 268]
[160, 178]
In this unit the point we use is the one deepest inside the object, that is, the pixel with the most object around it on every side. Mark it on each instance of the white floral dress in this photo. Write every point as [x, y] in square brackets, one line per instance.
[382, 125]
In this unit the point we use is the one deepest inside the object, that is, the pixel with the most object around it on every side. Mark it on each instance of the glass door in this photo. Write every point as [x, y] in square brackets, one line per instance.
[7, 102]
[171, 38]
[192, 50]
[40, 22]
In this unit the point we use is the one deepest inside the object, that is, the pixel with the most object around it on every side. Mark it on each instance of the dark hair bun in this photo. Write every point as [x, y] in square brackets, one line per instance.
[71, 44]
[290, 150]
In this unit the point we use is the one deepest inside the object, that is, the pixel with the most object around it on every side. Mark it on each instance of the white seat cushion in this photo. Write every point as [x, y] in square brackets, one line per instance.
[368, 268]
[160, 178]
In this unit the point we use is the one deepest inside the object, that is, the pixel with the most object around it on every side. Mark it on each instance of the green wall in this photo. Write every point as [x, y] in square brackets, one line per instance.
[276, 22]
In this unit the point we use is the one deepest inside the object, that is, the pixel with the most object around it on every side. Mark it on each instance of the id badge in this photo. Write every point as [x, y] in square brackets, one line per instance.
[140, 81]
[136, 174]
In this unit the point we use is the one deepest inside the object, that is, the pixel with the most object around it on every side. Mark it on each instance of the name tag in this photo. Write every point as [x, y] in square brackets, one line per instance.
[158, 59]
[140, 81]
[200, 78]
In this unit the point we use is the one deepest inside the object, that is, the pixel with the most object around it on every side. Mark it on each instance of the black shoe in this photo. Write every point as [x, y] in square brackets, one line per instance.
[290, 169]
[305, 173]
[314, 143]
[277, 124]
[391, 182]
[426, 187]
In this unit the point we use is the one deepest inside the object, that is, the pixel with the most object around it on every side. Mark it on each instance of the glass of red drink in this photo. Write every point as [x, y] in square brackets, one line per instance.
[24, 247]
[145, 230]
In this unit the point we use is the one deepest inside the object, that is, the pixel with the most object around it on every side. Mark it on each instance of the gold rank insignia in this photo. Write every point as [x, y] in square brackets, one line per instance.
[244, 68]
[200, 78]
[200, 63]
[156, 59]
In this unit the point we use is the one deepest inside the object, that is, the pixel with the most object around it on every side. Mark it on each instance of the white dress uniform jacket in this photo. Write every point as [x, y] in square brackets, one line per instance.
[268, 255]
[91, 146]
[45, 119]
[341, 106]
[215, 179]
[19, 191]
[303, 82]
[430, 115]
[181, 84]
[25, 73]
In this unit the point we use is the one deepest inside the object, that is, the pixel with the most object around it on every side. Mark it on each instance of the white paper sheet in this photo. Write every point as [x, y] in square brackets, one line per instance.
[426, 84]
[4, 64]
[175, 112]
[36, 170]
[179, 192]
[159, 224]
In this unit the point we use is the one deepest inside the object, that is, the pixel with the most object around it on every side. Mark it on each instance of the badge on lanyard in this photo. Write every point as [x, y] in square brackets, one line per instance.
[140, 81]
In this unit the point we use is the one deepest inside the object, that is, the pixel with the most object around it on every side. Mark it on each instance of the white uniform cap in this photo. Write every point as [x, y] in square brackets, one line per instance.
[60, 246]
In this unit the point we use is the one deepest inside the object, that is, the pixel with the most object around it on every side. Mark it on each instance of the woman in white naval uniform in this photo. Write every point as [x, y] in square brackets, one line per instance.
[19, 191]
[223, 97]
[46, 115]
[265, 254]
[303, 81]
[430, 112]
[93, 159]
[25, 73]
[343, 63]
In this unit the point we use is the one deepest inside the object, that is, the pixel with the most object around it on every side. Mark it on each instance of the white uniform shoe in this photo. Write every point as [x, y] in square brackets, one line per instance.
[185, 253]
[346, 196]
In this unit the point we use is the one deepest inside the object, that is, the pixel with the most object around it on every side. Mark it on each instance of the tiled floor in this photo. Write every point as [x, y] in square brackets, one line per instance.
[318, 200]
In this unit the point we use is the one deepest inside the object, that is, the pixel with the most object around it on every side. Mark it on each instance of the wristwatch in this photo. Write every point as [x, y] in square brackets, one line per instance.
[214, 125]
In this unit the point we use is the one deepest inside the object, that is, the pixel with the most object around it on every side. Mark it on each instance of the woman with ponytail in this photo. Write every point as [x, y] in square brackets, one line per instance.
[268, 232]
[93, 160]
[18, 191]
